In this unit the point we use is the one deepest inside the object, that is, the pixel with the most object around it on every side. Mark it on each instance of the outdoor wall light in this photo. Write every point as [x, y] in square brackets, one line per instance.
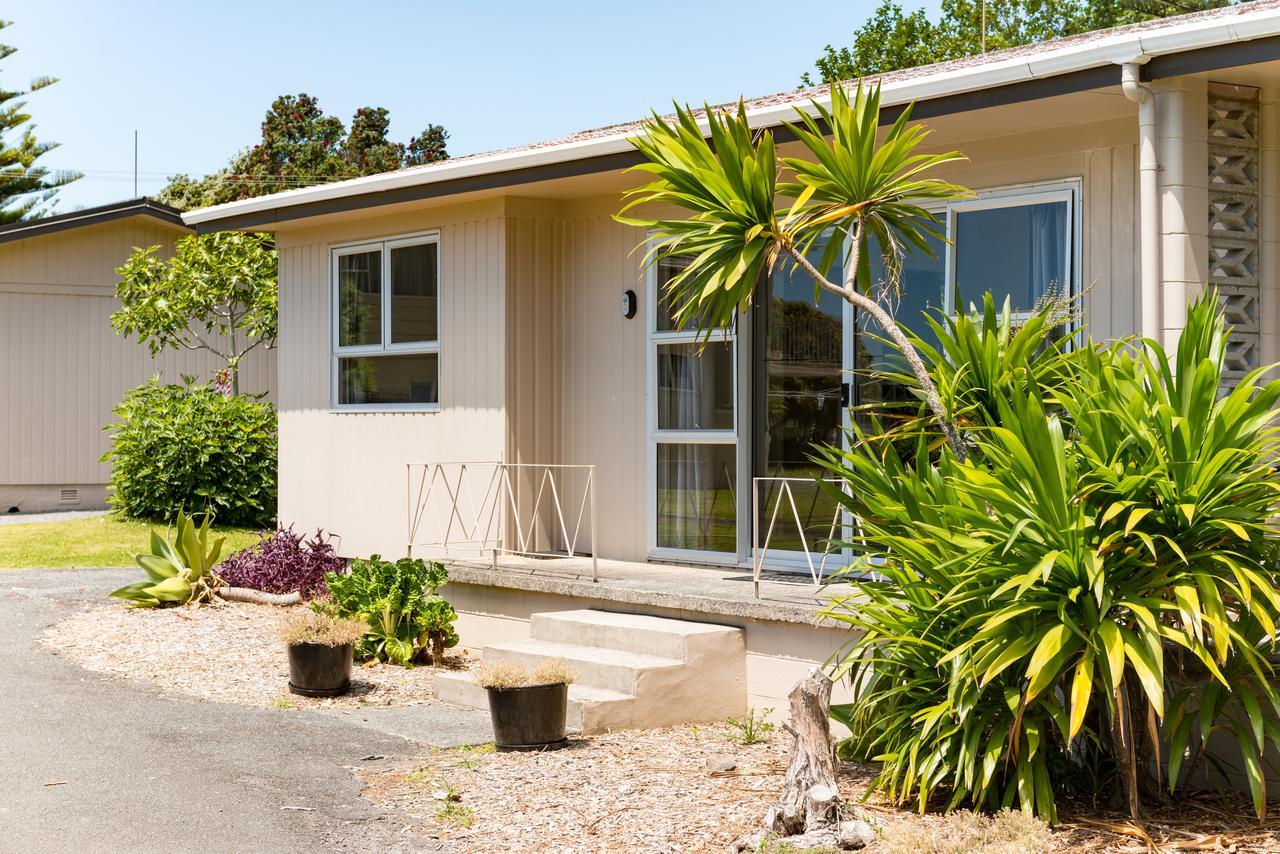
[629, 304]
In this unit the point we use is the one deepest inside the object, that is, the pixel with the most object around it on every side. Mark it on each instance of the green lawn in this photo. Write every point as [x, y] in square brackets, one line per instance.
[100, 541]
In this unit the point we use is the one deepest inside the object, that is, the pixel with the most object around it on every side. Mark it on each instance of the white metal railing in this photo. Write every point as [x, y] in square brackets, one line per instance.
[814, 553]
[503, 508]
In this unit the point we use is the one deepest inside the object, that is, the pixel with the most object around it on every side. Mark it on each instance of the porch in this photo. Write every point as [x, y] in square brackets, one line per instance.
[517, 541]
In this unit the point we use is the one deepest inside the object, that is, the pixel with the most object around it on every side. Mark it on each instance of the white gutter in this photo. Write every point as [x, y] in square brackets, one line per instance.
[1148, 197]
[1088, 53]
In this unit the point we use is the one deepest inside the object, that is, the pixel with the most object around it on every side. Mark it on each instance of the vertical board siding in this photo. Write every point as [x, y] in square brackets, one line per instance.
[62, 367]
[346, 471]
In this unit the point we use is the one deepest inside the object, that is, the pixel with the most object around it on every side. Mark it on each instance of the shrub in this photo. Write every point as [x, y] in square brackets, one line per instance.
[303, 625]
[188, 445]
[282, 562]
[407, 617]
[1093, 591]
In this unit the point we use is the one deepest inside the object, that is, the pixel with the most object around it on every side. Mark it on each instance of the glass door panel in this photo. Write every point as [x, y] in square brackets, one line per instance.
[799, 380]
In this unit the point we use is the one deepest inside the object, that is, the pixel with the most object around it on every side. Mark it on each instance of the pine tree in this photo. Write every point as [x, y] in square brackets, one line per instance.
[25, 188]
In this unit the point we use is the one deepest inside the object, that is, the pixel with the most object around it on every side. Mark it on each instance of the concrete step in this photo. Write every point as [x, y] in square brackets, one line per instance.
[633, 670]
[591, 710]
[597, 667]
[639, 633]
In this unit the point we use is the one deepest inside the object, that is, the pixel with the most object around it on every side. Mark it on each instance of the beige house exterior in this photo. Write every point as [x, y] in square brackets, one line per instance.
[64, 368]
[550, 356]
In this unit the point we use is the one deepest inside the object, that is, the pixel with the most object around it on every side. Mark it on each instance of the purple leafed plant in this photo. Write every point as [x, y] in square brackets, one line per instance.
[282, 562]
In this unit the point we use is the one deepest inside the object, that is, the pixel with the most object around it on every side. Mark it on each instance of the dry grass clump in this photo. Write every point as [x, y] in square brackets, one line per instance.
[963, 832]
[503, 675]
[303, 625]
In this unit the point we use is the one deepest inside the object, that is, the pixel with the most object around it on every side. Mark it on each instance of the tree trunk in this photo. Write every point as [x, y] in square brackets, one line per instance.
[1126, 754]
[810, 798]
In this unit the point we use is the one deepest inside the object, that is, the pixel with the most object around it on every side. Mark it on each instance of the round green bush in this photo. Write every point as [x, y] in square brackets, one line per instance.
[190, 447]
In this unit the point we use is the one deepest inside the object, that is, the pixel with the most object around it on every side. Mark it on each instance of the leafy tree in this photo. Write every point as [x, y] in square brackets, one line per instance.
[891, 38]
[301, 146]
[860, 188]
[218, 293]
[25, 188]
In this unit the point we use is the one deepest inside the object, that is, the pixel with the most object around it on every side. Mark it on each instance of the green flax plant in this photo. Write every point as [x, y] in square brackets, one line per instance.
[1091, 594]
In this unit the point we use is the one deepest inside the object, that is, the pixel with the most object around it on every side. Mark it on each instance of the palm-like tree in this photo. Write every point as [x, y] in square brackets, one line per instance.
[740, 225]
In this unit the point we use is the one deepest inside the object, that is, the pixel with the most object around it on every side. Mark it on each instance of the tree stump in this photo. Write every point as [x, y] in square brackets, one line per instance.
[810, 797]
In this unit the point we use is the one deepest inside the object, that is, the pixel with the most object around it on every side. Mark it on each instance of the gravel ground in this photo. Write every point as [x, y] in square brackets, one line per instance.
[226, 651]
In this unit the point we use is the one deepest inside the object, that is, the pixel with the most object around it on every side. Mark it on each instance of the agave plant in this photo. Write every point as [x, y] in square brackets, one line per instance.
[177, 572]
[1094, 590]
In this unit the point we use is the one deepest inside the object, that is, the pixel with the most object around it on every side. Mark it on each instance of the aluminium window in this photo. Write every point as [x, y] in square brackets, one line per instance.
[386, 324]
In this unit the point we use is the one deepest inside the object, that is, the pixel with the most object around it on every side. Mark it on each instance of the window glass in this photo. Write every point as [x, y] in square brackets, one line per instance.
[695, 388]
[360, 299]
[413, 293]
[1018, 252]
[697, 505]
[409, 378]
[667, 269]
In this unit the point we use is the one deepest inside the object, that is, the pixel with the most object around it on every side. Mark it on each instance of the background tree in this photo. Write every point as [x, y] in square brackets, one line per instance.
[25, 188]
[301, 146]
[218, 293]
[891, 38]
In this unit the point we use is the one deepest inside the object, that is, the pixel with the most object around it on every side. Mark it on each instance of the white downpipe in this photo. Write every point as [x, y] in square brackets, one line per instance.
[1148, 198]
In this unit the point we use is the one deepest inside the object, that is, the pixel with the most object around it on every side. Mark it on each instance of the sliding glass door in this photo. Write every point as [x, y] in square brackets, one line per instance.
[799, 403]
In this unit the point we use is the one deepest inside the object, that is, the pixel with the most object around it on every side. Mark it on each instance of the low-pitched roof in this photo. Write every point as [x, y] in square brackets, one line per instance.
[1217, 38]
[92, 216]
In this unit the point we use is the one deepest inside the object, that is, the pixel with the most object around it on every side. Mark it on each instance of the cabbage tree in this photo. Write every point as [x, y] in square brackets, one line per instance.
[748, 209]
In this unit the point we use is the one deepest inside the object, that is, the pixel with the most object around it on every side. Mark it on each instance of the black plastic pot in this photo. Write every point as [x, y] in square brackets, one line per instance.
[529, 718]
[316, 670]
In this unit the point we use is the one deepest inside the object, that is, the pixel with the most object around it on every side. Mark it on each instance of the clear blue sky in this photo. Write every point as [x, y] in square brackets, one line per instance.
[195, 78]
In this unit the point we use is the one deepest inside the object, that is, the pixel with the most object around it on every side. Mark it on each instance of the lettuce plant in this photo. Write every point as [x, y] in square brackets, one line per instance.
[407, 616]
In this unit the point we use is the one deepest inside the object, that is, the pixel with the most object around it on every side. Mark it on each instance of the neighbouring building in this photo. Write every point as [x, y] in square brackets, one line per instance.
[474, 364]
[62, 367]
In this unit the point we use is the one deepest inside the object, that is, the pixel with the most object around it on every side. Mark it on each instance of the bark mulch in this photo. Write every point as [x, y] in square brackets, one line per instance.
[225, 651]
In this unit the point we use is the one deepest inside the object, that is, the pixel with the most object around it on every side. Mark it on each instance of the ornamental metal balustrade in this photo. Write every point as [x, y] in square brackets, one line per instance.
[524, 509]
[542, 510]
[814, 553]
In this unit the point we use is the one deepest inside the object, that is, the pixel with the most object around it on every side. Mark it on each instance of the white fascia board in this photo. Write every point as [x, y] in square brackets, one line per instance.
[1130, 47]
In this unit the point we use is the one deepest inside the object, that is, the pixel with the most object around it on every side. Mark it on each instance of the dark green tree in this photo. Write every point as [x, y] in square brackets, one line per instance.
[891, 38]
[301, 146]
[25, 188]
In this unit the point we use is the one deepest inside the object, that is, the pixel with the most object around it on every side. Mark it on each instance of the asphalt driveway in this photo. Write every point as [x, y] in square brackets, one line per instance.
[95, 764]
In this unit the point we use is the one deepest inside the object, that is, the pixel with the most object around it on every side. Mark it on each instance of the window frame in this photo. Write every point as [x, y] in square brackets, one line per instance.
[1012, 196]
[338, 352]
[654, 437]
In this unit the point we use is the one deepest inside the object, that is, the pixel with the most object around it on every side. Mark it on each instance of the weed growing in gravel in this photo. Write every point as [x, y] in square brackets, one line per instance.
[449, 809]
[281, 703]
[753, 729]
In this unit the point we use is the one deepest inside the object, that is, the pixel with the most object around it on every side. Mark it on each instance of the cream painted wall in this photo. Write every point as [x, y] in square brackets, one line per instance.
[62, 367]
[539, 365]
[346, 471]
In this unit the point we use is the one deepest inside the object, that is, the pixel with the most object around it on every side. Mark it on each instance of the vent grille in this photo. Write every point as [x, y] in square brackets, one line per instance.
[70, 496]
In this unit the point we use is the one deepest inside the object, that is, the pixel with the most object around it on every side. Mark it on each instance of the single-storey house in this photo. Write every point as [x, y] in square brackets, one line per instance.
[64, 367]
[475, 364]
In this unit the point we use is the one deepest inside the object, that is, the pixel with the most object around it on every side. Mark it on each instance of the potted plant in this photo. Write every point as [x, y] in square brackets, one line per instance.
[527, 707]
[320, 651]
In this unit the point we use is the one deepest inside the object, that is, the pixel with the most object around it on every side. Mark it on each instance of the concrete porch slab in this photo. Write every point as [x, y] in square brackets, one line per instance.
[718, 591]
